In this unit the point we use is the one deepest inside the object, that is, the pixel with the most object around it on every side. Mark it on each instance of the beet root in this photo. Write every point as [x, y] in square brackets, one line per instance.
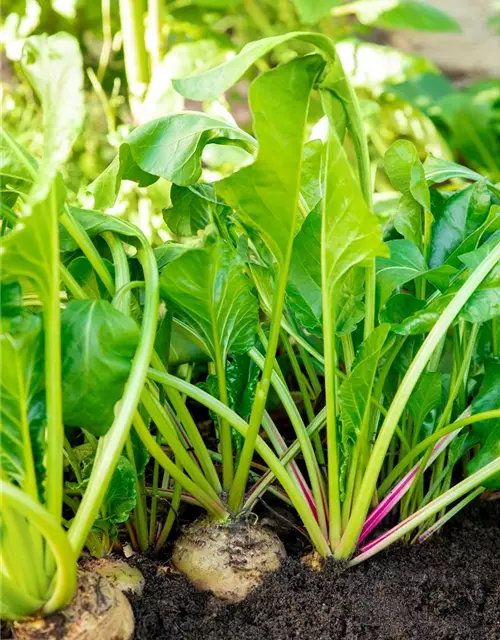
[227, 559]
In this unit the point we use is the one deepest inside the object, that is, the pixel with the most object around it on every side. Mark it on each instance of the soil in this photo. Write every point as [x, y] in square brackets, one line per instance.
[445, 589]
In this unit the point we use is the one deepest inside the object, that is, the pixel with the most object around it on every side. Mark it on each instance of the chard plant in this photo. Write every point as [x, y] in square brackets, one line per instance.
[380, 345]
[391, 335]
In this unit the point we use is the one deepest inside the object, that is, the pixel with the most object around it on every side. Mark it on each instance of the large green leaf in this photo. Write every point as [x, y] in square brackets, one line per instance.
[170, 148]
[304, 284]
[404, 264]
[22, 410]
[207, 289]
[402, 14]
[265, 195]
[98, 344]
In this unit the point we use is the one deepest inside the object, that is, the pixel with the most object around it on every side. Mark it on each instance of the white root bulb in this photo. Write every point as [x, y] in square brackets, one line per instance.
[122, 575]
[228, 560]
[98, 610]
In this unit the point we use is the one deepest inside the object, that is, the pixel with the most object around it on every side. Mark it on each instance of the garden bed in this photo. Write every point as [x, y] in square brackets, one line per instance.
[447, 588]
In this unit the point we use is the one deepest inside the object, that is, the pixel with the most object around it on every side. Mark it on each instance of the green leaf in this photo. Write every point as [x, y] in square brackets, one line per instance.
[242, 375]
[470, 121]
[400, 307]
[304, 284]
[355, 391]
[406, 172]
[83, 272]
[207, 289]
[404, 264]
[455, 218]
[487, 432]
[22, 410]
[483, 305]
[170, 148]
[191, 210]
[98, 344]
[310, 12]
[11, 301]
[54, 67]
[310, 186]
[408, 219]
[15, 162]
[438, 170]
[265, 195]
[426, 398]
[121, 496]
[403, 14]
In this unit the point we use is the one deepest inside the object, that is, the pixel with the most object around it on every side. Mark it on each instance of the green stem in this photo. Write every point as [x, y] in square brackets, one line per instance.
[134, 49]
[71, 284]
[141, 527]
[213, 506]
[154, 31]
[172, 515]
[361, 506]
[114, 440]
[65, 578]
[80, 236]
[235, 499]
[261, 447]
[53, 392]
[226, 441]
[456, 492]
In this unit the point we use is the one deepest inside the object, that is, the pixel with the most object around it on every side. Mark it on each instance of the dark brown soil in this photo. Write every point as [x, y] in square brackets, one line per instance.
[445, 589]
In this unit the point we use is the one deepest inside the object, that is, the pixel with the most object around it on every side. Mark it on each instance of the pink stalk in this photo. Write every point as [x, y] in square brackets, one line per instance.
[401, 488]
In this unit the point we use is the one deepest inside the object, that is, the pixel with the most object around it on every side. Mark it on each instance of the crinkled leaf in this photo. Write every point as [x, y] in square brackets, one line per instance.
[98, 343]
[404, 264]
[191, 210]
[207, 289]
[121, 496]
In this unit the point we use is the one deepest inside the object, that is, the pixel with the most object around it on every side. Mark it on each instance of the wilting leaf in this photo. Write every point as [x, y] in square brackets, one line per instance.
[404, 264]
[207, 289]
[98, 344]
